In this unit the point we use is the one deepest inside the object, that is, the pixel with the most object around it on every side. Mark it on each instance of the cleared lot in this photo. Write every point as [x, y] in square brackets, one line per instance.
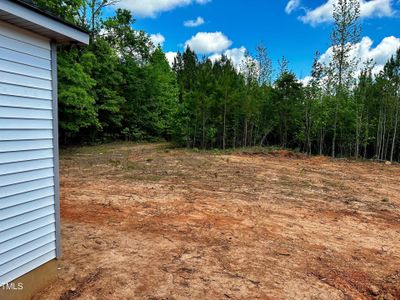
[149, 222]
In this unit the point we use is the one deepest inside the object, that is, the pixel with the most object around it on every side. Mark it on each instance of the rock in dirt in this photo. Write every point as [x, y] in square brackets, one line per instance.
[386, 297]
[374, 290]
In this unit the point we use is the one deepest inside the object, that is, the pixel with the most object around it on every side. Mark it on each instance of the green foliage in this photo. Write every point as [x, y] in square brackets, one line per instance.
[104, 69]
[122, 87]
[129, 43]
[164, 94]
[68, 9]
[288, 96]
[76, 104]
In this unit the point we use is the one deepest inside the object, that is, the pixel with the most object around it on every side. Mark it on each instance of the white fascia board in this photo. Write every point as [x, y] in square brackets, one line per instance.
[43, 21]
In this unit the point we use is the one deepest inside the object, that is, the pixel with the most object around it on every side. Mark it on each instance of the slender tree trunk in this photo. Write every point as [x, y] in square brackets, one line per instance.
[387, 144]
[395, 132]
[187, 134]
[251, 134]
[256, 131]
[285, 132]
[203, 142]
[93, 16]
[195, 134]
[379, 136]
[366, 137]
[245, 132]
[264, 138]
[224, 130]
[358, 132]
[382, 151]
[307, 132]
[335, 131]
[234, 136]
[338, 92]
[321, 141]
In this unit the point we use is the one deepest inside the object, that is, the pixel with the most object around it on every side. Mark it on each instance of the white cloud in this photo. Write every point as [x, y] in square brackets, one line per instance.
[170, 57]
[291, 6]
[239, 60]
[208, 42]
[364, 50]
[157, 39]
[236, 55]
[150, 8]
[369, 9]
[194, 23]
[306, 80]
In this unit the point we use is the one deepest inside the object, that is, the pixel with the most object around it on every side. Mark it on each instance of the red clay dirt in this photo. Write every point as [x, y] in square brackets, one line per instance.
[142, 221]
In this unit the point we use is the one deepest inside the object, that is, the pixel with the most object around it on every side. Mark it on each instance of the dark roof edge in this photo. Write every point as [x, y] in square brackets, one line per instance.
[48, 14]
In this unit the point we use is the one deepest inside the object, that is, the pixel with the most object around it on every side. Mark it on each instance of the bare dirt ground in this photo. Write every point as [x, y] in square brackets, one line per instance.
[148, 222]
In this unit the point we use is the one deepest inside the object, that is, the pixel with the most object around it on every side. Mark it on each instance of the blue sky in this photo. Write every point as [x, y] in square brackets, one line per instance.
[295, 30]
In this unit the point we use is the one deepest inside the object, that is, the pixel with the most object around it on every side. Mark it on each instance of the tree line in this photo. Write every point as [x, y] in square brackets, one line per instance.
[121, 86]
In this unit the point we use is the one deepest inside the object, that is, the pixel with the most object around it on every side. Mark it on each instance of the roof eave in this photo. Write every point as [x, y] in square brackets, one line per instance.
[32, 19]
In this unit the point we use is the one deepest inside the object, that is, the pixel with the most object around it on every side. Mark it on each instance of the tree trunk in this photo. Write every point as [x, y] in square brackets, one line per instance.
[395, 132]
[335, 131]
[203, 141]
[224, 130]
[245, 133]
[321, 142]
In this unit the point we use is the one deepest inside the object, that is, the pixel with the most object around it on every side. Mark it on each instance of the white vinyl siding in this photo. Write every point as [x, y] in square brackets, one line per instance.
[20, 240]
[25, 113]
[24, 91]
[20, 102]
[24, 80]
[27, 183]
[15, 178]
[28, 155]
[24, 166]
[8, 146]
[18, 135]
[24, 47]
[18, 68]
[25, 59]
[25, 124]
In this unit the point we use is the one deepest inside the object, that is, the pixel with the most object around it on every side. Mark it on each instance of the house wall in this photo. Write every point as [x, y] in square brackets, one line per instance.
[28, 153]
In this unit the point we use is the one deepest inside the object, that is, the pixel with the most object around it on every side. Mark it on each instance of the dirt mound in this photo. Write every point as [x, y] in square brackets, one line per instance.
[288, 154]
[283, 153]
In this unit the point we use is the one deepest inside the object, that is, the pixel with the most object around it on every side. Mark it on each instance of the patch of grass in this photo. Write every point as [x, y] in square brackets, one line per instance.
[134, 165]
[142, 177]
[167, 147]
[245, 150]
[334, 184]
[291, 182]
[115, 162]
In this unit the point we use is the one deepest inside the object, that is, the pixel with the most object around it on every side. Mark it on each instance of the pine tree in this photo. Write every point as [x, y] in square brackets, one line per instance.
[345, 35]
